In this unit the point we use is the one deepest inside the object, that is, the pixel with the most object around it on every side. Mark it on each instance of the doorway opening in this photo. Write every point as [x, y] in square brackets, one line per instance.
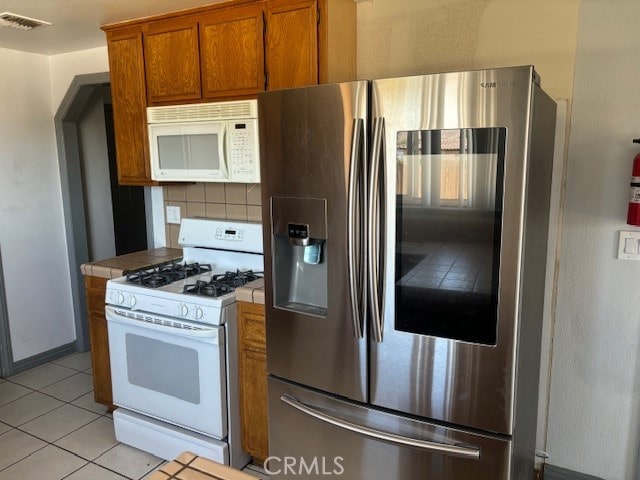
[102, 218]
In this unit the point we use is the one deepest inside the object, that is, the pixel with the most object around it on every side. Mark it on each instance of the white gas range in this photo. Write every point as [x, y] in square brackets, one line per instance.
[173, 344]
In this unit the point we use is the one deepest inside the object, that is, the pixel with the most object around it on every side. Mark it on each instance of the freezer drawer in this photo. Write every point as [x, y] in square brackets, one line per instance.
[312, 435]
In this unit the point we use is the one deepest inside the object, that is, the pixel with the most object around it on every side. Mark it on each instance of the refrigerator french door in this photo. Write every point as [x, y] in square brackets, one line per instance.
[407, 252]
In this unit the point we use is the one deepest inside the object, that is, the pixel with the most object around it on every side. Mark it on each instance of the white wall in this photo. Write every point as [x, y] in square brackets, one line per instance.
[94, 162]
[595, 390]
[412, 37]
[65, 66]
[32, 237]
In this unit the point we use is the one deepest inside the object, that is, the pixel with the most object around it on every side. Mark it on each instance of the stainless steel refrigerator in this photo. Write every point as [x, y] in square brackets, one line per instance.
[405, 238]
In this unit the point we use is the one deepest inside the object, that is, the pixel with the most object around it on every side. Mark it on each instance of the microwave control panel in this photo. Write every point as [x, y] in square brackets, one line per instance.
[243, 147]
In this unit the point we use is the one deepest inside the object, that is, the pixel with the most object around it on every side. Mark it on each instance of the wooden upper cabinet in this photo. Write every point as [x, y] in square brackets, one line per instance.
[292, 43]
[172, 60]
[220, 52]
[232, 52]
[126, 64]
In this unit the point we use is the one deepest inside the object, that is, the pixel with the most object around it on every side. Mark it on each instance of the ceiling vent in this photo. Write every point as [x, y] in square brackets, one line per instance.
[8, 19]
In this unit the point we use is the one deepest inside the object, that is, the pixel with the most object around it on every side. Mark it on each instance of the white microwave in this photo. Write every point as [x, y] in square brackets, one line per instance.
[205, 142]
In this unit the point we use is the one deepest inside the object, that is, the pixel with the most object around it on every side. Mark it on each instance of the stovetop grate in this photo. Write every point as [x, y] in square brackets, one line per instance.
[222, 284]
[166, 274]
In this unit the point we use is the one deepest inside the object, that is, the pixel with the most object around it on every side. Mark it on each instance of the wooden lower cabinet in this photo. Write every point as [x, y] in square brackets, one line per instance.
[99, 339]
[253, 380]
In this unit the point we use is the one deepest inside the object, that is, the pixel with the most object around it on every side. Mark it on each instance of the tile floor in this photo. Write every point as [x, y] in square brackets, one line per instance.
[51, 429]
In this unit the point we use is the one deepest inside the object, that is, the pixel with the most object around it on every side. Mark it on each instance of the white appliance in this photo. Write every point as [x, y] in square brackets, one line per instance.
[205, 142]
[173, 344]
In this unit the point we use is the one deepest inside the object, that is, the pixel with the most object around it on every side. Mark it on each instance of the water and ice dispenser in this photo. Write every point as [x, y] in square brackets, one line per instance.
[299, 238]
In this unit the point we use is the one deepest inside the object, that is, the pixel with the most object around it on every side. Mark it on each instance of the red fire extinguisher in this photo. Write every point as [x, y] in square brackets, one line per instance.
[633, 216]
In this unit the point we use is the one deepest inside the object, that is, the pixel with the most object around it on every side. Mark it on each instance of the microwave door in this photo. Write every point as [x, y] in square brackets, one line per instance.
[188, 152]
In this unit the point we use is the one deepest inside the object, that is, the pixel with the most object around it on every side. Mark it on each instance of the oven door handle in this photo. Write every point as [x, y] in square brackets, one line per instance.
[168, 326]
[470, 452]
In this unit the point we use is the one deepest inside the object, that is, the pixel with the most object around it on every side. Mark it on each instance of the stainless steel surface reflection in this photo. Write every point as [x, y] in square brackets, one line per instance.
[476, 388]
[421, 358]
[438, 452]
[306, 146]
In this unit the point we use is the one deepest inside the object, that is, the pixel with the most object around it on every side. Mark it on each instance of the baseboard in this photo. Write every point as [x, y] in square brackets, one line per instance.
[552, 472]
[42, 358]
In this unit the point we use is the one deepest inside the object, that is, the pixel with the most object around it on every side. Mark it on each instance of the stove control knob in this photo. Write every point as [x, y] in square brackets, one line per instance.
[119, 298]
[132, 301]
[199, 313]
[184, 310]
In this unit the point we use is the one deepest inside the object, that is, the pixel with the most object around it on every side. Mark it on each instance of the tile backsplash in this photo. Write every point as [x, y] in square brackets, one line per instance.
[230, 201]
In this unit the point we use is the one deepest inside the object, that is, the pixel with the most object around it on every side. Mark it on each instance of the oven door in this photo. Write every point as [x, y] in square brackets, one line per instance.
[169, 369]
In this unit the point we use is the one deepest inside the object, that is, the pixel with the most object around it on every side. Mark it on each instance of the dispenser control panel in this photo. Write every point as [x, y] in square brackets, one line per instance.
[298, 231]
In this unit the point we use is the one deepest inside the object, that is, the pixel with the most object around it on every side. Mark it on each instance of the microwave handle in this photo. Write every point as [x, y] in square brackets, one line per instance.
[222, 151]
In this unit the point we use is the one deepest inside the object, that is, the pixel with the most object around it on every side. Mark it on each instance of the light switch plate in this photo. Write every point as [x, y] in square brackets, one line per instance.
[173, 214]
[629, 246]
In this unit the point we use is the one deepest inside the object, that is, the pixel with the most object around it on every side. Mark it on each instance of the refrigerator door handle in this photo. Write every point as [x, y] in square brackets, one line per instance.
[470, 452]
[354, 236]
[375, 224]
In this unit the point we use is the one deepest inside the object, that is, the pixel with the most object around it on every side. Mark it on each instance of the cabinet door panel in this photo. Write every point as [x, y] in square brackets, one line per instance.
[100, 360]
[126, 64]
[172, 61]
[232, 52]
[253, 379]
[292, 43]
[255, 435]
[99, 339]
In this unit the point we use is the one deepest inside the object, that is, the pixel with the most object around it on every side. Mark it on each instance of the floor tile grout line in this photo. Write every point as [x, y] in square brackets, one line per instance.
[39, 367]
[152, 469]
[111, 470]
[62, 403]
[61, 400]
[46, 444]
[78, 455]
[49, 411]
[77, 470]
[44, 393]
[57, 439]
[114, 471]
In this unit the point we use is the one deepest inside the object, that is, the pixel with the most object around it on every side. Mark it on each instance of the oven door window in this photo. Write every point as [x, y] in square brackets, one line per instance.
[449, 190]
[148, 367]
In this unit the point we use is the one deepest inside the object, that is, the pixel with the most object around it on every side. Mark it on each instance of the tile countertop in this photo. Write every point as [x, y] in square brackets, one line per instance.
[252, 292]
[118, 266]
[189, 466]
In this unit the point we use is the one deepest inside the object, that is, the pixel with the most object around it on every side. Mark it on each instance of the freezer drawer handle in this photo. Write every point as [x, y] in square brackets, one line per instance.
[462, 451]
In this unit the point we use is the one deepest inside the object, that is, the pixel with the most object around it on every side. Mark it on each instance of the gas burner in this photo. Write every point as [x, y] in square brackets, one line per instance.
[222, 284]
[166, 274]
